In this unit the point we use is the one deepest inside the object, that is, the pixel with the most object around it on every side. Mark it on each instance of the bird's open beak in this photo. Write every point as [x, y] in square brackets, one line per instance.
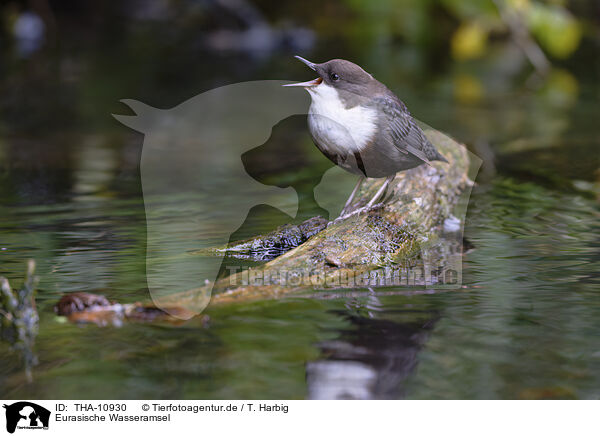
[310, 83]
[308, 63]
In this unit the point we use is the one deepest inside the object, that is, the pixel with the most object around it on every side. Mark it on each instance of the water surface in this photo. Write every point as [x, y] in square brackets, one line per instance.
[525, 324]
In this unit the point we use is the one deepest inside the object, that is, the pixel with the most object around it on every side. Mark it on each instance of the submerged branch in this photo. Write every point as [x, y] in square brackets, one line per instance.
[19, 317]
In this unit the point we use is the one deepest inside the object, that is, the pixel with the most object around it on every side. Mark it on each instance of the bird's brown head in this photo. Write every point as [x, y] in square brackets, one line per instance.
[340, 74]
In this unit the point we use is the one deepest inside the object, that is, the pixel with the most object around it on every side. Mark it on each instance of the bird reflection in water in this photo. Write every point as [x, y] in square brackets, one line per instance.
[374, 355]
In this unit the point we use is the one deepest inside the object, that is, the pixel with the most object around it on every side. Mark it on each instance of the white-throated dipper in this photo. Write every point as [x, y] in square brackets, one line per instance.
[360, 125]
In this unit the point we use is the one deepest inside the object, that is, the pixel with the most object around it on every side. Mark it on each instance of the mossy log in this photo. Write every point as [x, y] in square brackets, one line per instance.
[405, 228]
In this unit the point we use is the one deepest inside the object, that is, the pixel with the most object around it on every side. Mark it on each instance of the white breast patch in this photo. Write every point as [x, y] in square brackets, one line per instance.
[336, 128]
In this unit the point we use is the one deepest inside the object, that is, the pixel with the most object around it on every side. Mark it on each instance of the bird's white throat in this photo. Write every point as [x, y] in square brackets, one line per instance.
[336, 128]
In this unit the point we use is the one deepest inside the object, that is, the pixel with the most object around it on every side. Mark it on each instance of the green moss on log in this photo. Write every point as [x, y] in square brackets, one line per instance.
[407, 225]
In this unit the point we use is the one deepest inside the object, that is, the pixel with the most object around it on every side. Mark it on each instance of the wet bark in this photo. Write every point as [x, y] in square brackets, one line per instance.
[405, 229]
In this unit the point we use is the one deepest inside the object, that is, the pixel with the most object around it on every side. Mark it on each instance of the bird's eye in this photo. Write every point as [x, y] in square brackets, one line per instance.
[334, 77]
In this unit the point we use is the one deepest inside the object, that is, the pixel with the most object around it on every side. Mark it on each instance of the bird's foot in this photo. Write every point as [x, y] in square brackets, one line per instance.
[358, 211]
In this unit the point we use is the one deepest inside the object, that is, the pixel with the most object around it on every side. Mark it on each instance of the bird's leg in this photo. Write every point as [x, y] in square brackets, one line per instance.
[371, 203]
[380, 192]
[361, 179]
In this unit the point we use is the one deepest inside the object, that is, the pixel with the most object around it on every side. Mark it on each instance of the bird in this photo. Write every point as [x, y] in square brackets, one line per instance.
[363, 127]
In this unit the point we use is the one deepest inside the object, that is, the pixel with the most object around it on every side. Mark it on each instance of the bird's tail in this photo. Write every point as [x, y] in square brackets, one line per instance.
[433, 154]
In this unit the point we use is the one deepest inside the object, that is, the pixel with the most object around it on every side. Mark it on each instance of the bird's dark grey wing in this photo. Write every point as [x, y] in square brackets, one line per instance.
[406, 134]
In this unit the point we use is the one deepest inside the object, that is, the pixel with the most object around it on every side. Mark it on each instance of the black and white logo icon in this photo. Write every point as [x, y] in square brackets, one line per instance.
[26, 415]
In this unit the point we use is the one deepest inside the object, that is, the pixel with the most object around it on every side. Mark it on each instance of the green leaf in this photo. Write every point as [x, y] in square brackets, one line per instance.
[558, 32]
